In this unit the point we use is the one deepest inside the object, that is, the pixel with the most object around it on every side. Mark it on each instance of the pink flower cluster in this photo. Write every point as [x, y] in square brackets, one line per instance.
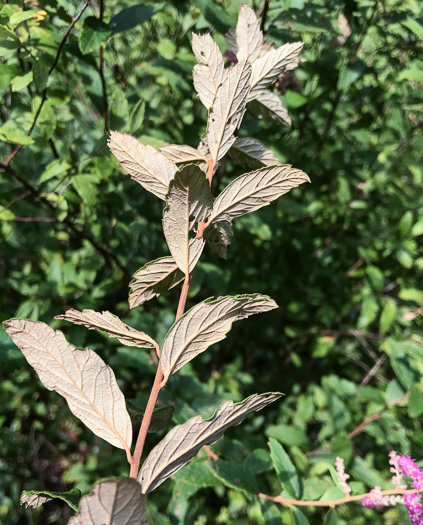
[342, 477]
[401, 466]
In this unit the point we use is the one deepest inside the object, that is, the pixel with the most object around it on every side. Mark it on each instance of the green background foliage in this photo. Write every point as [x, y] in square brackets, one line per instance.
[342, 257]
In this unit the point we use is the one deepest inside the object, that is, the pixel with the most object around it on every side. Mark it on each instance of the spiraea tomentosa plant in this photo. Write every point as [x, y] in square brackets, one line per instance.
[181, 177]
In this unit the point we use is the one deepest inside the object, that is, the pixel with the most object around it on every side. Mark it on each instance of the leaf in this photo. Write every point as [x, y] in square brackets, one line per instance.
[205, 324]
[413, 26]
[160, 418]
[183, 442]
[10, 133]
[132, 16]
[112, 325]
[252, 152]
[415, 402]
[236, 476]
[228, 109]
[249, 37]
[112, 502]
[209, 73]
[7, 73]
[254, 190]
[153, 279]
[189, 201]
[94, 33]
[388, 316]
[21, 81]
[219, 236]
[136, 118]
[35, 498]
[145, 164]
[80, 376]
[268, 105]
[284, 468]
[182, 154]
[266, 69]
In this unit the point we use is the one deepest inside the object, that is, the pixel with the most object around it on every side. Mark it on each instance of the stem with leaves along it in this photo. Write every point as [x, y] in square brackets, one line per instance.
[154, 394]
[158, 380]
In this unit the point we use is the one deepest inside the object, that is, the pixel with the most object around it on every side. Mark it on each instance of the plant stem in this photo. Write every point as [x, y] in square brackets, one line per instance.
[334, 503]
[154, 394]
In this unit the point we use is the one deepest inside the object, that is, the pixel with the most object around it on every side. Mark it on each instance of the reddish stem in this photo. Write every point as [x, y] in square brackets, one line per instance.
[157, 386]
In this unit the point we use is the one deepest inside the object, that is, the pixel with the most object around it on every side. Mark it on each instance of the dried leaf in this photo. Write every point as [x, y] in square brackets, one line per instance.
[112, 325]
[252, 152]
[228, 109]
[153, 279]
[266, 69]
[219, 236]
[249, 37]
[255, 190]
[209, 73]
[269, 105]
[189, 201]
[80, 376]
[183, 442]
[36, 498]
[182, 154]
[112, 503]
[205, 324]
[145, 164]
[33, 500]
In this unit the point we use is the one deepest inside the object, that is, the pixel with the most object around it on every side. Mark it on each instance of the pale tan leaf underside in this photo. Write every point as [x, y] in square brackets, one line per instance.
[182, 154]
[252, 152]
[153, 279]
[249, 37]
[183, 442]
[33, 500]
[145, 164]
[269, 105]
[228, 109]
[255, 190]
[209, 73]
[112, 503]
[205, 324]
[189, 201]
[266, 69]
[231, 40]
[112, 325]
[80, 376]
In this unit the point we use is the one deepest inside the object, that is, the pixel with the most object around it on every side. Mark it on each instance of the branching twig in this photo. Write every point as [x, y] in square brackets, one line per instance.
[44, 93]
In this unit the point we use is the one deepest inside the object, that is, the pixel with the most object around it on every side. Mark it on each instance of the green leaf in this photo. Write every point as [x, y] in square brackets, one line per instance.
[7, 73]
[235, 476]
[71, 497]
[405, 258]
[401, 366]
[132, 16]
[136, 118]
[40, 70]
[166, 48]
[288, 435]
[86, 187]
[299, 517]
[350, 73]
[54, 168]
[6, 214]
[47, 120]
[331, 518]
[59, 202]
[294, 99]
[332, 494]
[21, 81]
[20, 16]
[417, 228]
[7, 47]
[258, 461]
[284, 468]
[388, 316]
[415, 75]
[9, 132]
[94, 33]
[415, 402]
[341, 446]
[413, 26]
